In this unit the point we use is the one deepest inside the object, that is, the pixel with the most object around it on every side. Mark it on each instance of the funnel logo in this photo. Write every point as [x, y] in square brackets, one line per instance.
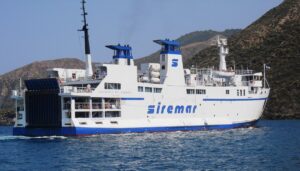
[174, 63]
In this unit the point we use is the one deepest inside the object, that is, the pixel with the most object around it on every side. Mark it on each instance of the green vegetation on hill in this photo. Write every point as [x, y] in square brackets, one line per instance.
[7, 117]
[191, 44]
[273, 39]
[200, 36]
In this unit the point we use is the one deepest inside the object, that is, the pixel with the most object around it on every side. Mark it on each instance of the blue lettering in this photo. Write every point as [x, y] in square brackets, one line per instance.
[151, 109]
[170, 109]
[188, 109]
[163, 109]
[179, 109]
[158, 107]
[194, 109]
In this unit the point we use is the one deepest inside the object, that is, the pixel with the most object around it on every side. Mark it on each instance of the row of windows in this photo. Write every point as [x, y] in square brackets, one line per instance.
[108, 114]
[128, 61]
[96, 103]
[149, 89]
[241, 92]
[115, 86]
[197, 91]
[202, 91]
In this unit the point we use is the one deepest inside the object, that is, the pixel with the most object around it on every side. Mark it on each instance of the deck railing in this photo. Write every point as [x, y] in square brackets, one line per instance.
[243, 72]
[91, 78]
[67, 106]
[112, 106]
[97, 105]
[84, 105]
[84, 90]
[69, 89]
[107, 105]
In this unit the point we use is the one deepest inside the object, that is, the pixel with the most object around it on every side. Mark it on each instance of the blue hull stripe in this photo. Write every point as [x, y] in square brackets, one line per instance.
[247, 99]
[67, 131]
[132, 98]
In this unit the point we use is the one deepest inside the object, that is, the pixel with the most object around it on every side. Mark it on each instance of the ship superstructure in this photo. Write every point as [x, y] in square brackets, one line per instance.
[120, 98]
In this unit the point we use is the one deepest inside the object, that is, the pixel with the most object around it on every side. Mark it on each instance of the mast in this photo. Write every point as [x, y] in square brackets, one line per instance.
[222, 44]
[264, 75]
[88, 66]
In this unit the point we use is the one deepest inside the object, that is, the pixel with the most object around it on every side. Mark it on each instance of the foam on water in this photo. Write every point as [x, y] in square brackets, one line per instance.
[11, 137]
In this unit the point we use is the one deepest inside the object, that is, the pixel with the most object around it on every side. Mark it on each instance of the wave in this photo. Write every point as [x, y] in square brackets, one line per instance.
[10, 137]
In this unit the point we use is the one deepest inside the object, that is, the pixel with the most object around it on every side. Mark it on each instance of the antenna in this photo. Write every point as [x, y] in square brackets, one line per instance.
[89, 69]
[85, 29]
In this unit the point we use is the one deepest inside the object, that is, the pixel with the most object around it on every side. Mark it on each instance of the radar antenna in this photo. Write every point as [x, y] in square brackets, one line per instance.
[89, 70]
[85, 29]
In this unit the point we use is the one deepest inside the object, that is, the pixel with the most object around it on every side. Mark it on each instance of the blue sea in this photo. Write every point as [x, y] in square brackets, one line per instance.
[271, 145]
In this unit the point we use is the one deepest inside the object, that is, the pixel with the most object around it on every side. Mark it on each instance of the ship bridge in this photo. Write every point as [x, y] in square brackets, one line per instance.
[169, 46]
[122, 54]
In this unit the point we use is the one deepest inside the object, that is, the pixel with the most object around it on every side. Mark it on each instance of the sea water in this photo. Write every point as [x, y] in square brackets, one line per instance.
[271, 145]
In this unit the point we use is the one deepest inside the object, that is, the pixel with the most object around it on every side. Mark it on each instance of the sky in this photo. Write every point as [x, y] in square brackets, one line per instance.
[36, 30]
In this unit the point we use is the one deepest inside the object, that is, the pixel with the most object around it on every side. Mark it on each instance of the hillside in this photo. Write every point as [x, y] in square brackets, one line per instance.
[201, 36]
[10, 80]
[273, 39]
[191, 44]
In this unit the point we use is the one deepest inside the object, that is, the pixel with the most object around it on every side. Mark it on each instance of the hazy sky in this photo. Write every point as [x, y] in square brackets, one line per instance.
[35, 30]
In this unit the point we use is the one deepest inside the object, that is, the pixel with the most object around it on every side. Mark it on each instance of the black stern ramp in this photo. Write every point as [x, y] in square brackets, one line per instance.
[43, 103]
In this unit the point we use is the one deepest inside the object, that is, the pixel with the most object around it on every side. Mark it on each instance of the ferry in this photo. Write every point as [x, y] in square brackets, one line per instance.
[120, 97]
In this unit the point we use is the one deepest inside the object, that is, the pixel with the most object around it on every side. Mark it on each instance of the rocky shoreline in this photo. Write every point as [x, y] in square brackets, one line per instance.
[7, 118]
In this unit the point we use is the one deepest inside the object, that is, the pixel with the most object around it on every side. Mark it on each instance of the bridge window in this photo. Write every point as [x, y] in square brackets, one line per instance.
[82, 103]
[68, 114]
[163, 58]
[200, 91]
[101, 72]
[128, 61]
[112, 104]
[20, 105]
[67, 103]
[140, 89]
[20, 116]
[241, 92]
[190, 91]
[115, 86]
[257, 78]
[97, 103]
[53, 74]
[157, 90]
[112, 114]
[97, 115]
[148, 89]
[227, 92]
[81, 114]
[73, 75]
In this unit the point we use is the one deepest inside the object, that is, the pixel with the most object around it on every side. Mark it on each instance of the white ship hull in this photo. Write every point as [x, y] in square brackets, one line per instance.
[189, 113]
